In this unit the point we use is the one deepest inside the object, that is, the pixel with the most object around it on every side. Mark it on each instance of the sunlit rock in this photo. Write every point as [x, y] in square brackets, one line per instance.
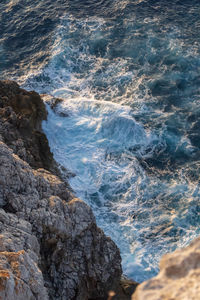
[178, 279]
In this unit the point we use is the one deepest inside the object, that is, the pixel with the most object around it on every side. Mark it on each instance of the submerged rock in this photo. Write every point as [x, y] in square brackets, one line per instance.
[178, 279]
[54, 102]
[50, 245]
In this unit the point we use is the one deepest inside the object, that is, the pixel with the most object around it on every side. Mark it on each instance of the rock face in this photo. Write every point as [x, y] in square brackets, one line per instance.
[21, 114]
[179, 277]
[50, 245]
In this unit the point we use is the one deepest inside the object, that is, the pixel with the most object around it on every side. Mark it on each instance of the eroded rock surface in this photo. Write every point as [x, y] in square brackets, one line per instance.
[179, 277]
[21, 114]
[50, 245]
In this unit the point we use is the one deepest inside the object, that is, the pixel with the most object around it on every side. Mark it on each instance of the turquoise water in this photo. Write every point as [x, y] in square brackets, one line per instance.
[128, 72]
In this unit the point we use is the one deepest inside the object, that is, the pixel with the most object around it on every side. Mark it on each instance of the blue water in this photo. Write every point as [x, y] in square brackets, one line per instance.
[128, 126]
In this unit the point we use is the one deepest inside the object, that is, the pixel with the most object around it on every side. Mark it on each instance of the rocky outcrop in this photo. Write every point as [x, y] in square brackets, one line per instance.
[21, 114]
[50, 245]
[178, 279]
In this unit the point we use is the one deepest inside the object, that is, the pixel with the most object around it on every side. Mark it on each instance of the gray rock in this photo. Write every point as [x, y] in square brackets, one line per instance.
[178, 278]
[20, 277]
[50, 245]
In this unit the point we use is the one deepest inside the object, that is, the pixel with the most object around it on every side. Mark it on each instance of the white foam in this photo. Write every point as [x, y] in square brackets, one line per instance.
[101, 142]
[93, 142]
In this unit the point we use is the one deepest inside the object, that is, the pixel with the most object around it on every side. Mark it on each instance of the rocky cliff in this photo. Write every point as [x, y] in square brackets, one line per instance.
[50, 245]
[179, 277]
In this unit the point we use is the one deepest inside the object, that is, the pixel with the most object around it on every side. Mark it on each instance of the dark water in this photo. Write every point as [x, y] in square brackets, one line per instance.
[129, 74]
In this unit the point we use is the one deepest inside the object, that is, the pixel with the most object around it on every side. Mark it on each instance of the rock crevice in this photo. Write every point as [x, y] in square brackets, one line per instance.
[50, 245]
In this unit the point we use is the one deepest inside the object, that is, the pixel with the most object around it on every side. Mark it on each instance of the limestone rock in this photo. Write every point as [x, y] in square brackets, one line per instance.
[20, 277]
[54, 102]
[178, 279]
[21, 115]
[77, 259]
[50, 245]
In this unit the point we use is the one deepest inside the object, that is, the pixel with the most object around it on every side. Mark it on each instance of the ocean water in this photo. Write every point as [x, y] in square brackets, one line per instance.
[129, 124]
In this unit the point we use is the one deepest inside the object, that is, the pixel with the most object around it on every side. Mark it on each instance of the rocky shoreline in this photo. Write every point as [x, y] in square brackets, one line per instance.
[50, 245]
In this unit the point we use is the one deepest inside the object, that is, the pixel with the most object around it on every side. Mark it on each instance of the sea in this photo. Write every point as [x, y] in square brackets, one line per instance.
[128, 128]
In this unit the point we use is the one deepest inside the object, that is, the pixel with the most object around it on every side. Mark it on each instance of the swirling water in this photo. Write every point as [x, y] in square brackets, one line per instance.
[128, 71]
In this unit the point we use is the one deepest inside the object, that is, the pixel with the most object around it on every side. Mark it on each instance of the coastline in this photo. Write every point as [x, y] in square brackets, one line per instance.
[50, 245]
[69, 243]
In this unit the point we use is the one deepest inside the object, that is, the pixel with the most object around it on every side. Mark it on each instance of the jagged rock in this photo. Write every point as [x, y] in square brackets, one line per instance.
[21, 115]
[178, 279]
[51, 101]
[46, 232]
[20, 277]
[125, 289]
[54, 102]
[77, 259]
